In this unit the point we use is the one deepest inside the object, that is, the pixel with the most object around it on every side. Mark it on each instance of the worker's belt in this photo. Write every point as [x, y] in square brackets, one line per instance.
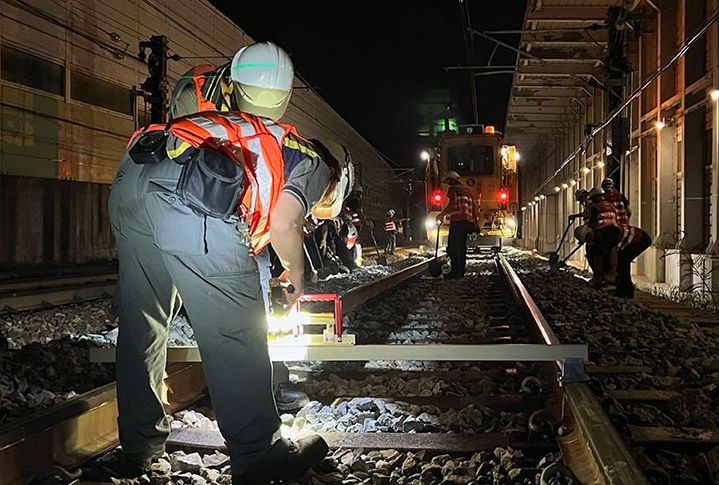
[210, 182]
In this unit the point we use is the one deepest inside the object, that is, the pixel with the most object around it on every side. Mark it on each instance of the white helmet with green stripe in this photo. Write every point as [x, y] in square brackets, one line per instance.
[262, 75]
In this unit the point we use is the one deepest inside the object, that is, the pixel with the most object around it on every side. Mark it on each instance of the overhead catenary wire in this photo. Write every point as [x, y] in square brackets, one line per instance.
[635, 94]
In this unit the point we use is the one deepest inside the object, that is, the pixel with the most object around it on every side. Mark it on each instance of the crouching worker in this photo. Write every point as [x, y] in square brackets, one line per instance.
[633, 243]
[605, 236]
[192, 201]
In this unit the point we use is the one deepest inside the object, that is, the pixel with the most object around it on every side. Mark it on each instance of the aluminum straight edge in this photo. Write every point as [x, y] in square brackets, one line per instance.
[433, 352]
[360, 294]
[614, 460]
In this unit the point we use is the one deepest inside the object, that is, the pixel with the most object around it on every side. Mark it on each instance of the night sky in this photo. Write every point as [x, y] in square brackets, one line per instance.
[374, 61]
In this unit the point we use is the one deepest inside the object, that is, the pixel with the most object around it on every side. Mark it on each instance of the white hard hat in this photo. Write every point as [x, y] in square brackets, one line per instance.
[262, 74]
[607, 183]
[339, 159]
[595, 192]
[452, 175]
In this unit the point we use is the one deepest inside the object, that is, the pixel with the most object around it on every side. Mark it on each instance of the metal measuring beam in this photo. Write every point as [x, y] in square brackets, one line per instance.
[433, 352]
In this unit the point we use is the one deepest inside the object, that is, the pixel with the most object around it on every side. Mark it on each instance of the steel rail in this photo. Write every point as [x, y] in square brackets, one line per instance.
[70, 433]
[615, 464]
[426, 352]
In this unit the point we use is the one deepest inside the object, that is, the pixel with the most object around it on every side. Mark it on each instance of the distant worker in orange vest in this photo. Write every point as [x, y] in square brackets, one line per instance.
[605, 235]
[633, 240]
[390, 229]
[462, 211]
[618, 200]
[192, 201]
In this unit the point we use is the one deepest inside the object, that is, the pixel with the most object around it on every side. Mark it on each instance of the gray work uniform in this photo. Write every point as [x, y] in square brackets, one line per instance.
[183, 102]
[170, 256]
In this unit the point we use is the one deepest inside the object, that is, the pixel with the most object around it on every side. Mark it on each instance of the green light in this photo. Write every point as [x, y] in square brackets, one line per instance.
[443, 125]
[255, 64]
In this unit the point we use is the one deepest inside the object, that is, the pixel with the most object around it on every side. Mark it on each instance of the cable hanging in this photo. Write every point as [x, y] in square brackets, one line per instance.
[637, 92]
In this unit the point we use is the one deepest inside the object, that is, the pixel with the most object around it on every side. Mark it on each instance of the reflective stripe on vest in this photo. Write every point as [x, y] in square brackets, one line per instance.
[630, 235]
[461, 207]
[250, 142]
[615, 198]
[390, 226]
[199, 78]
[607, 215]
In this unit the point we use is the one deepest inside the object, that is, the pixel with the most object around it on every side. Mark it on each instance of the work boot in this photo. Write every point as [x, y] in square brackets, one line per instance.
[288, 398]
[286, 459]
[120, 465]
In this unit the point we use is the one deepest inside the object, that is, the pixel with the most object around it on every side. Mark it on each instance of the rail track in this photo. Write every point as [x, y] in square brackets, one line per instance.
[520, 404]
[43, 292]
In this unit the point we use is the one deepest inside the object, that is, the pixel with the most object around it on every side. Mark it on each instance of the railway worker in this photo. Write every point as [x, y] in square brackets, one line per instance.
[583, 233]
[390, 229]
[462, 211]
[213, 88]
[605, 236]
[354, 209]
[634, 241]
[183, 238]
[618, 200]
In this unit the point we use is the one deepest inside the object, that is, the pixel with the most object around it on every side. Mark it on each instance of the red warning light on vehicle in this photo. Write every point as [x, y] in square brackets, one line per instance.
[437, 197]
[503, 195]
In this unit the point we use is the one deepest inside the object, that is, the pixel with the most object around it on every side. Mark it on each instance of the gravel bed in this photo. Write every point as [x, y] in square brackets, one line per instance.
[357, 466]
[683, 358]
[39, 376]
[43, 353]
[43, 326]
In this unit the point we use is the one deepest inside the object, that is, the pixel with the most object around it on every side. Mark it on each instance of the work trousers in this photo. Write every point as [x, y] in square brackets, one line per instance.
[170, 256]
[625, 286]
[391, 242]
[603, 241]
[457, 246]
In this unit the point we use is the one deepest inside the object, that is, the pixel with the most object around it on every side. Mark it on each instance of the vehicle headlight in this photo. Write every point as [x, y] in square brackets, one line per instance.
[430, 223]
[511, 222]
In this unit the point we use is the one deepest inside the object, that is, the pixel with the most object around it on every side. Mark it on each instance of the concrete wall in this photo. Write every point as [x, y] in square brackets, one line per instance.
[46, 221]
[671, 176]
[67, 113]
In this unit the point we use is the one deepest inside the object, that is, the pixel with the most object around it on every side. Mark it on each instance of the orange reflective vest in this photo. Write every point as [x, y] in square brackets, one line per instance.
[617, 200]
[253, 142]
[199, 77]
[389, 225]
[461, 205]
[606, 215]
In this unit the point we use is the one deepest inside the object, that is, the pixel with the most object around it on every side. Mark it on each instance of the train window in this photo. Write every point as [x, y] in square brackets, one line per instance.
[32, 71]
[471, 159]
[99, 92]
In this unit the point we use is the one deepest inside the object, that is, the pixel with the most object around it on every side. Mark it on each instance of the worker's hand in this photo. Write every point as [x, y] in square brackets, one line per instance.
[291, 281]
[323, 246]
[572, 217]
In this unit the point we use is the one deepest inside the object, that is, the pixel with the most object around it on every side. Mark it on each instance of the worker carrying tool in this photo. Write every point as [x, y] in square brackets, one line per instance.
[462, 211]
[192, 201]
[390, 229]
